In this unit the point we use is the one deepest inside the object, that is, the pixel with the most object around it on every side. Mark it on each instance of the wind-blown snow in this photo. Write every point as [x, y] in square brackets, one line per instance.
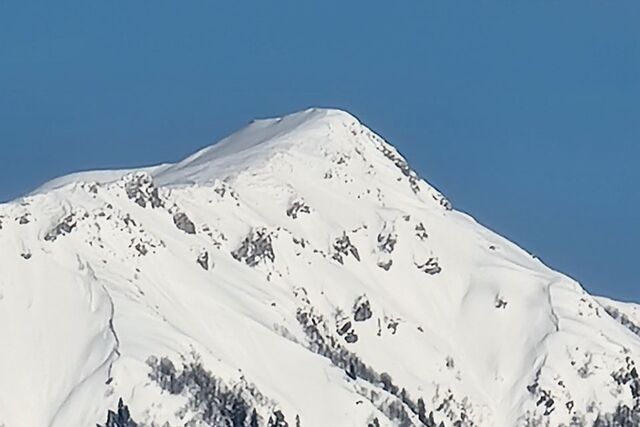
[312, 275]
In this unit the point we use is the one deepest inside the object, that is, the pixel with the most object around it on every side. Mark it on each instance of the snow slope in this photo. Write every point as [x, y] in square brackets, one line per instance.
[300, 272]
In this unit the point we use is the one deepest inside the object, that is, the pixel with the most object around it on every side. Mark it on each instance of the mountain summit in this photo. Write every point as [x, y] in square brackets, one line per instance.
[257, 141]
[297, 273]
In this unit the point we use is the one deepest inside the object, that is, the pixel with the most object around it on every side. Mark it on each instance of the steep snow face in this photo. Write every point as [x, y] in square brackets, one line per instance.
[298, 272]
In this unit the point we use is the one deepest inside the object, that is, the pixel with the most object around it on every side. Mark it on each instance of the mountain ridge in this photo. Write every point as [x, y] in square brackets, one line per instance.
[300, 271]
[247, 138]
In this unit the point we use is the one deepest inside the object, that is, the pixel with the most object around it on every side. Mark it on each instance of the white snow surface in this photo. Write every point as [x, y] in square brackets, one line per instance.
[99, 273]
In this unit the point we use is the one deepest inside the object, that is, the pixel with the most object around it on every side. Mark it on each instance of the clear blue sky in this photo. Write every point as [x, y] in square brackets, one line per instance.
[525, 113]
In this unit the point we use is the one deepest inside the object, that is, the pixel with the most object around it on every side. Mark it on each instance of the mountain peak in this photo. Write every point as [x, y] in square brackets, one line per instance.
[253, 142]
[301, 270]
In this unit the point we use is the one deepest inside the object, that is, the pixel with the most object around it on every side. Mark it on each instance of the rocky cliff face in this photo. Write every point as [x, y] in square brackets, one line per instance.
[298, 272]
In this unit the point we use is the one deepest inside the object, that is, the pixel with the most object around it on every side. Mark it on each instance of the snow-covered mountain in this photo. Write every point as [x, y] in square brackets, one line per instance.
[298, 272]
